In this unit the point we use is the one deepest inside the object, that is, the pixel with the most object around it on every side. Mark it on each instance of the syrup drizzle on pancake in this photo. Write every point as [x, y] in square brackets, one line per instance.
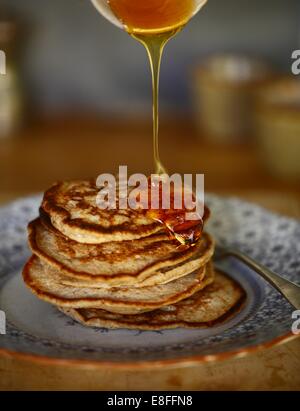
[187, 232]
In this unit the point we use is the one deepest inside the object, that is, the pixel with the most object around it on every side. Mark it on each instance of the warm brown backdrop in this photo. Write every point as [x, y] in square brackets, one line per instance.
[74, 146]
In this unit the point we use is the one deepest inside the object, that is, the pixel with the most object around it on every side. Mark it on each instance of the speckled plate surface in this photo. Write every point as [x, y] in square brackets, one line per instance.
[38, 331]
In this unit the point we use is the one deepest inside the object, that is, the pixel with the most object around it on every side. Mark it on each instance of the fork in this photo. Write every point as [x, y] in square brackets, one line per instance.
[288, 289]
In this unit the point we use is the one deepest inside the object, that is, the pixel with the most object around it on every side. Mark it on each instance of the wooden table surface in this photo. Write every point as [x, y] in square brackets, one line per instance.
[75, 147]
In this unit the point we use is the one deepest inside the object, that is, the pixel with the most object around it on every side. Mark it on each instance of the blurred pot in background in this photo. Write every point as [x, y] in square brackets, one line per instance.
[225, 88]
[11, 99]
[278, 127]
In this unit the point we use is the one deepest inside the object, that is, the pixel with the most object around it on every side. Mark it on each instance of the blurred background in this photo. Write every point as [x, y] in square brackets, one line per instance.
[76, 98]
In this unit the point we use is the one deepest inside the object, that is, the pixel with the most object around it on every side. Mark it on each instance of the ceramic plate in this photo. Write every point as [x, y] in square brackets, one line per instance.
[36, 330]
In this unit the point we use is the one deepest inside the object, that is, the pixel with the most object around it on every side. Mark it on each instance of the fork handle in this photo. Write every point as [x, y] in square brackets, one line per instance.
[288, 289]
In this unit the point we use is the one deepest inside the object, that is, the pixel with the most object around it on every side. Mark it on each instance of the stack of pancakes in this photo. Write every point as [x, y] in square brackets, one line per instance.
[120, 268]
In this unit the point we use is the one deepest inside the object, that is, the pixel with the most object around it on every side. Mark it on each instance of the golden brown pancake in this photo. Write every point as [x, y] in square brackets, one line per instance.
[133, 263]
[72, 209]
[47, 283]
[213, 305]
[120, 268]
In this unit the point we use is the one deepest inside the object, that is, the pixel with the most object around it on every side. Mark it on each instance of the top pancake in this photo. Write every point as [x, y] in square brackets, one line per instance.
[72, 209]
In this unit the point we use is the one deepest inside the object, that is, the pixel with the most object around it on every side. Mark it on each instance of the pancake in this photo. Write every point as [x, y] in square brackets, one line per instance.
[161, 276]
[46, 282]
[72, 209]
[135, 263]
[122, 269]
[217, 303]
